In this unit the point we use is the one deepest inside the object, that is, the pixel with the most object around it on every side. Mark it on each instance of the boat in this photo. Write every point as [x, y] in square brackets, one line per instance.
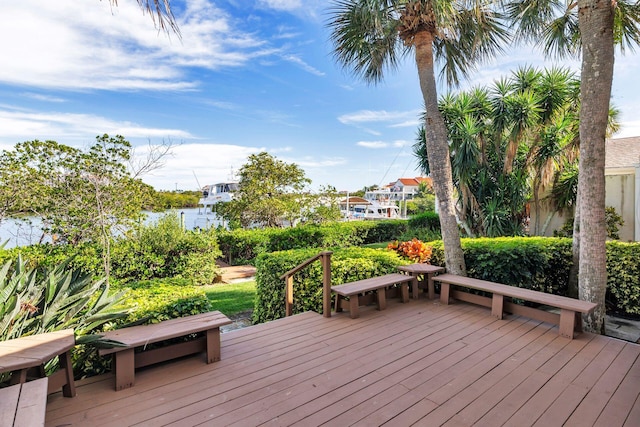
[361, 208]
[216, 193]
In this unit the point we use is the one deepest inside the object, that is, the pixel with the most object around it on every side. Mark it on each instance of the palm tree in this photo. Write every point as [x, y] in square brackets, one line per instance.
[371, 36]
[564, 28]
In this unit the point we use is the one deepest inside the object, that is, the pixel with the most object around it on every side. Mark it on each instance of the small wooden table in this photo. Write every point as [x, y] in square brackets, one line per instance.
[29, 354]
[427, 271]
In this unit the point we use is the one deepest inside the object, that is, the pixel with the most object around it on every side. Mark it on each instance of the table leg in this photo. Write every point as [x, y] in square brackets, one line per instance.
[431, 289]
[415, 292]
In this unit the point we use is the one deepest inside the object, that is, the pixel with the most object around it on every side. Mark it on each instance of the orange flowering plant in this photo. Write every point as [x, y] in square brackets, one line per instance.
[414, 249]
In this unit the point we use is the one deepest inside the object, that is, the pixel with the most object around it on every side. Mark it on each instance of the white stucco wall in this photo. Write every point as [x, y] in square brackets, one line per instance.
[621, 195]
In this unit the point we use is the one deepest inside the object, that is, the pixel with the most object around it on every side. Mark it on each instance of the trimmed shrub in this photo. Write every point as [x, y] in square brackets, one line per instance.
[543, 264]
[623, 278]
[430, 220]
[347, 265]
[85, 258]
[243, 246]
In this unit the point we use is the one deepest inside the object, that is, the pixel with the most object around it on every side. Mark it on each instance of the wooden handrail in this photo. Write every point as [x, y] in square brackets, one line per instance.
[326, 283]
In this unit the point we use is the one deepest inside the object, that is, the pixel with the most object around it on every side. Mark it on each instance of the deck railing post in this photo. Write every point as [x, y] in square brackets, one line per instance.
[289, 296]
[326, 284]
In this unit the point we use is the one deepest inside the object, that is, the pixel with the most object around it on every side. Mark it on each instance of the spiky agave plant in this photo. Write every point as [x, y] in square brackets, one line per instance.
[33, 302]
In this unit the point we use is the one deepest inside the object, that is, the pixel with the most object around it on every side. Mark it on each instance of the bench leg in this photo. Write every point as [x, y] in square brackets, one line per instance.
[444, 293]
[381, 298]
[124, 365]
[338, 303]
[567, 323]
[353, 306]
[497, 306]
[404, 289]
[213, 345]
[69, 388]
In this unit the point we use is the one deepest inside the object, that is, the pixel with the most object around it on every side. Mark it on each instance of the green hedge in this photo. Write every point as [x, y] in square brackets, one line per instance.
[543, 264]
[347, 265]
[85, 257]
[244, 246]
[430, 220]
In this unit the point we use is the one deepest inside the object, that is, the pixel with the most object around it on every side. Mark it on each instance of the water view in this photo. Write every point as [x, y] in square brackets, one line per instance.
[28, 231]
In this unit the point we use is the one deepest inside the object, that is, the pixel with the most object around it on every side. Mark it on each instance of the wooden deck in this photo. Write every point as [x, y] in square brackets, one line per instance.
[417, 363]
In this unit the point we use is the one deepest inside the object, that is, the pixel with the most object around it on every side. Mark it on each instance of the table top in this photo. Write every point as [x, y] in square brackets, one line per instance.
[421, 268]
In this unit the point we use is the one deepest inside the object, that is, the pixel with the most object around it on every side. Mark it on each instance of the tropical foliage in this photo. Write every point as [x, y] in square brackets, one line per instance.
[273, 193]
[414, 250]
[510, 143]
[34, 302]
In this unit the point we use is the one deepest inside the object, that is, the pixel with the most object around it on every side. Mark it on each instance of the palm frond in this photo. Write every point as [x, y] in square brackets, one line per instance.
[365, 37]
[626, 24]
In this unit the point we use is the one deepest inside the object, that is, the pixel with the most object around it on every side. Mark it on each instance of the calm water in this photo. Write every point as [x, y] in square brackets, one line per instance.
[22, 233]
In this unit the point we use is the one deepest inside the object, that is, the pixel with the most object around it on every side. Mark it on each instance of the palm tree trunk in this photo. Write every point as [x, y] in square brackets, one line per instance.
[595, 18]
[575, 251]
[438, 152]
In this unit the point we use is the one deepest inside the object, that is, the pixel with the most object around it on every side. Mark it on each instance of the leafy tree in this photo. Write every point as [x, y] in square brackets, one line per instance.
[80, 195]
[370, 36]
[592, 28]
[271, 193]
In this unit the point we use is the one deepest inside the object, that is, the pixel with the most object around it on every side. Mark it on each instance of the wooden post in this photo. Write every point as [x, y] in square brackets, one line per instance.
[289, 296]
[326, 284]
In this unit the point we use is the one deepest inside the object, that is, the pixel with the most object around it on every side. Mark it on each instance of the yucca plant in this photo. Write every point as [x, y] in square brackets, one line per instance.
[33, 302]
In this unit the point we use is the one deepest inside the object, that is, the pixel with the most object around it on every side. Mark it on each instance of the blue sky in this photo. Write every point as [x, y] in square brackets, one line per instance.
[247, 76]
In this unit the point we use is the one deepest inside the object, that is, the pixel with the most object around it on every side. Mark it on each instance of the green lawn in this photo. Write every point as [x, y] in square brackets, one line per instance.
[232, 298]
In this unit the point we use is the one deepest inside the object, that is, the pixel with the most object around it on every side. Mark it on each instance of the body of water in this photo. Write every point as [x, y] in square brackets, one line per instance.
[29, 231]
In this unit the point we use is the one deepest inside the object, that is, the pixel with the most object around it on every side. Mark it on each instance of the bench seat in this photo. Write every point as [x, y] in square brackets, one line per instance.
[355, 291]
[571, 309]
[25, 404]
[126, 360]
[26, 356]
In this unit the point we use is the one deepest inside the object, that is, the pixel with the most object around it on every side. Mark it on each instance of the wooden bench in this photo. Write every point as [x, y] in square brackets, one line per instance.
[25, 404]
[26, 356]
[126, 360]
[571, 309]
[355, 291]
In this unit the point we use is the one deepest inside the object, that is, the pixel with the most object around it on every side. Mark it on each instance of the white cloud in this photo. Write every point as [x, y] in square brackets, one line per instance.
[306, 67]
[382, 116]
[311, 163]
[288, 5]
[408, 124]
[372, 144]
[190, 164]
[401, 143]
[40, 97]
[90, 45]
[20, 125]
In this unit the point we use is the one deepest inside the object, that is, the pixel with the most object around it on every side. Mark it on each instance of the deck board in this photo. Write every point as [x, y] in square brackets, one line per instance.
[419, 363]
